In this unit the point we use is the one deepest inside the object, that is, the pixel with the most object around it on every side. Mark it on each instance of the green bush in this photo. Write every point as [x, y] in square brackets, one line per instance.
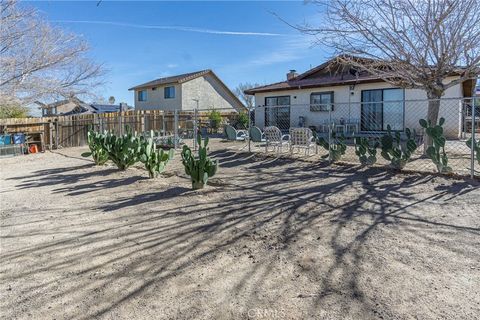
[215, 118]
[242, 120]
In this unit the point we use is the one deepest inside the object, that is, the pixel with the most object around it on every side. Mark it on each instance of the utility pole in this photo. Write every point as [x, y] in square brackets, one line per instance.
[195, 129]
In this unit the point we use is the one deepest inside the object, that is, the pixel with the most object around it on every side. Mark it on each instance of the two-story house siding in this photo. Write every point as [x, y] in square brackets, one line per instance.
[181, 92]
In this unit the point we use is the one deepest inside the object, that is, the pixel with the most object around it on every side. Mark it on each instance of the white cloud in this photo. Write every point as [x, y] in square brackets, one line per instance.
[172, 65]
[292, 49]
[177, 28]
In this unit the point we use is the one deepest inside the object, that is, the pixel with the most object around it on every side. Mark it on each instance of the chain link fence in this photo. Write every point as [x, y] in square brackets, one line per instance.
[346, 122]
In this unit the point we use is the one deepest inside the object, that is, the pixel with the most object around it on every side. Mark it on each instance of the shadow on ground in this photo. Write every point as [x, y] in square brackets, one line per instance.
[336, 228]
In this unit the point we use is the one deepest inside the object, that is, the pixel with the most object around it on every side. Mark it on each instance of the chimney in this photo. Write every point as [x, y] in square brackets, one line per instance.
[292, 74]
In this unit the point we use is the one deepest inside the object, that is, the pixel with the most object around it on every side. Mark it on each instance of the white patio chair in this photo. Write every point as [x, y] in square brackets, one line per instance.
[324, 127]
[275, 138]
[353, 126]
[339, 127]
[302, 138]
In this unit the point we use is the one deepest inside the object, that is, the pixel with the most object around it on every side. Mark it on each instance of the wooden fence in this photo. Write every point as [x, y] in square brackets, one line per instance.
[71, 131]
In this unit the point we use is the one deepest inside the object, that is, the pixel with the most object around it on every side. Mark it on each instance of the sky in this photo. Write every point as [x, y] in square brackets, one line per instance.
[241, 41]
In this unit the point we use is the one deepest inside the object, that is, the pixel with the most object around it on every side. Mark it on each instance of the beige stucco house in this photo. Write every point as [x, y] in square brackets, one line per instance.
[356, 97]
[181, 92]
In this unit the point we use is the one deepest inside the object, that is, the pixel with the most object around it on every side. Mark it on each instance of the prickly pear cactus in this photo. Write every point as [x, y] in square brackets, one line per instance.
[200, 168]
[96, 143]
[476, 148]
[395, 151]
[436, 152]
[366, 152]
[155, 160]
[336, 148]
[123, 150]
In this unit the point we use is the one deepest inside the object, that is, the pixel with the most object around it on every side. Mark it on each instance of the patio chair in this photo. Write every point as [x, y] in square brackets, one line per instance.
[256, 135]
[353, 126]
[275, 138]
[234, 134]
[302, 138]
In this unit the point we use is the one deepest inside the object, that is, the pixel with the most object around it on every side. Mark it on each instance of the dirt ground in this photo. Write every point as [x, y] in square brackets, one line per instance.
[267, 239]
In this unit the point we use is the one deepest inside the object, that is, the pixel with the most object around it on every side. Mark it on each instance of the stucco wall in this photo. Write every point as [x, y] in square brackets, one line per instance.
[156, 99]
[210, 93]
[414, 110]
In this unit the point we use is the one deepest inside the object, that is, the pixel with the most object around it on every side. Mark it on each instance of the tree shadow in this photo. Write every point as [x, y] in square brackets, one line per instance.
[273, 214]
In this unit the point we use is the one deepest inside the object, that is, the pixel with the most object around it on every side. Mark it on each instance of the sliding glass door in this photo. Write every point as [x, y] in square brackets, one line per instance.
[277, 112]
[382, 107]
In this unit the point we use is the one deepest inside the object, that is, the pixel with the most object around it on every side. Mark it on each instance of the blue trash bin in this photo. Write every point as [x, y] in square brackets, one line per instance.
[19, 138]
[5, 139]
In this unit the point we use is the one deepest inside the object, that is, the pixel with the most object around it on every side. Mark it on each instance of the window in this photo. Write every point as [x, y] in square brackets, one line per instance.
[277, 112]
[169, 92]
[382, 107]
[142, 95]
[321, 101]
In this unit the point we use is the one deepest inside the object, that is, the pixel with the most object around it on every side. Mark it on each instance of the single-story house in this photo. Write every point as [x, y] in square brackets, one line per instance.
[202, 89]
[73, 106]
[353, 96]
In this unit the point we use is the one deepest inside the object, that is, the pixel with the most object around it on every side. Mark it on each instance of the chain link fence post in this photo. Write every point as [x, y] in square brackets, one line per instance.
[175, 129]
[472, 146]
[330, 127]
[248, 129]
[195, 129]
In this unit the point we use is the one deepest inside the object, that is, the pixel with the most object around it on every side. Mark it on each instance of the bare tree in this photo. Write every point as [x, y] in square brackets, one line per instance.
[39, 61]
[408, 43]
[245, 98]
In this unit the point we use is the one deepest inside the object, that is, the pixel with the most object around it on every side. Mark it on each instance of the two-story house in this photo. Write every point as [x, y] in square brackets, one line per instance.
[201, 89]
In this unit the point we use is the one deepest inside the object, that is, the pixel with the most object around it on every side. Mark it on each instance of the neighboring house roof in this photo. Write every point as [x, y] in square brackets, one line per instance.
[79, 107]
[330, 73]
[181, 78]
[173, 79]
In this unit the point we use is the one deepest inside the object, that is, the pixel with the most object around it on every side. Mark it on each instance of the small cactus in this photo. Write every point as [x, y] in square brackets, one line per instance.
[394, 151]
[436, 152]
[155, 160]
[123, 150]
[367, 153]
[336, 148]
[199, 168]
[96, 143]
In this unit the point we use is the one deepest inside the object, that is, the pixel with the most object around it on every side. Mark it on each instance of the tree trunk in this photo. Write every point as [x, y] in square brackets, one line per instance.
[432, 115]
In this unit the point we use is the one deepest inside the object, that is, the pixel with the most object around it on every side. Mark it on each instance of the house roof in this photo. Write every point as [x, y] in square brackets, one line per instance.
[173, 79]
[329, 77]
[308, 79]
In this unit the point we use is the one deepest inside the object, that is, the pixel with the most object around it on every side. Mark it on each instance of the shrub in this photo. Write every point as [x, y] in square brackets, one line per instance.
[394, 151]
[436, 152]
[215, 118]
[242, 120]
[96, 142]
[199, 168]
